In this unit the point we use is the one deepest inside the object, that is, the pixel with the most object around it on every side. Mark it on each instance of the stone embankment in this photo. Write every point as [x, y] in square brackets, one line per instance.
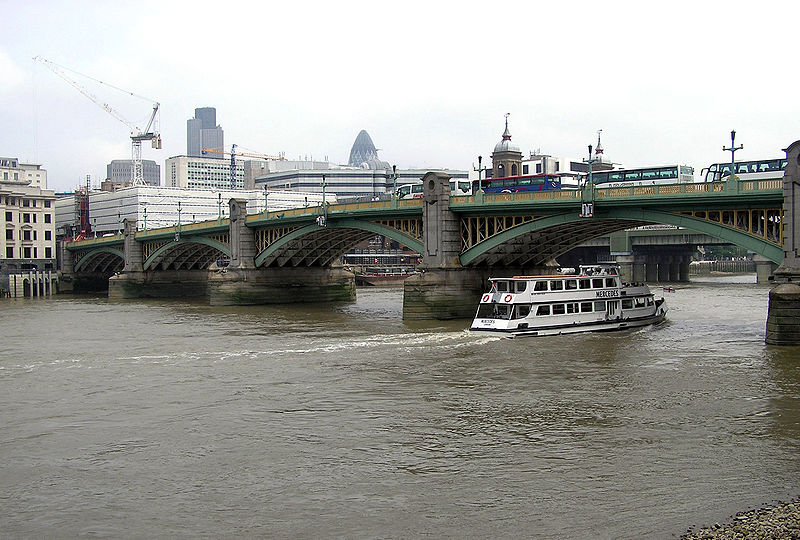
[775, 521]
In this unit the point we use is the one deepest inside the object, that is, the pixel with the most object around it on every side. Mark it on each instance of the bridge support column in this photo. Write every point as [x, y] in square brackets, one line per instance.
[639, 271]
[683, 270]
[764, 268]
[131, 282]
[626, 263]
[783, 319]
[674, 270]
[66, 272]
[651, 270]
[443, 289]
[663, 269]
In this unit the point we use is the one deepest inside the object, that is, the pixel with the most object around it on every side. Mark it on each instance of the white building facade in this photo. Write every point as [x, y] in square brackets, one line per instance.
[188, 172]
[28, 213]
[154, 207]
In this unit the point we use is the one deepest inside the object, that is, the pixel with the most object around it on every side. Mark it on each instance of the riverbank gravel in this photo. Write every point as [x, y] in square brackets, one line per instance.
[775, 521]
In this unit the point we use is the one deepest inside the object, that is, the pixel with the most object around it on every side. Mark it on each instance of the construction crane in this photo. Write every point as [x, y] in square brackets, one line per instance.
[233, 153]
[137, 135]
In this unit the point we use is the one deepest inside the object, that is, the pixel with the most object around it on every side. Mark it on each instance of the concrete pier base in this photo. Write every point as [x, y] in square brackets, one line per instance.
[764, 268]
[253, 286]
[281, 286]
[443, 294]
[783, 319]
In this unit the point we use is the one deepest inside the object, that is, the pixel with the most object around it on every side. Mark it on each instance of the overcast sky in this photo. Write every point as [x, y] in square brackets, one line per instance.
[430, 81]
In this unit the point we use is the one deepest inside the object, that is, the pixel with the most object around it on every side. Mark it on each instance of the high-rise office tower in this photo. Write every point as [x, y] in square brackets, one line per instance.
[202, 132]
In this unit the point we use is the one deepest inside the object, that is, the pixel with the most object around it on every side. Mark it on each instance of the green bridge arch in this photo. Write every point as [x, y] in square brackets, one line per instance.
[93, 253]
[734, 236]
[169, 246]
[394, 234]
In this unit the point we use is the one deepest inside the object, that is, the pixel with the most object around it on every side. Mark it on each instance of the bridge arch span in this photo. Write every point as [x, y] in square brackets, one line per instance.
[193, 253]
[102, 259]
[542, 240]
[312, 245]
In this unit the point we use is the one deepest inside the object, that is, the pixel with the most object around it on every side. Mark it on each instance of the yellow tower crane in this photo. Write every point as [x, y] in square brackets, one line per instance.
[233, 153]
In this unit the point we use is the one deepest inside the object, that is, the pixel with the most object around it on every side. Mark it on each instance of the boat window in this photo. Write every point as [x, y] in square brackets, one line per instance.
[573, 308]
[600, 305]
[585, 284]
[502, 286]
[521, 311]
[557, 285]
[586, 307]
[650, 301]
[540, 286]
[640, 302]
[519, 286]
[611, 282]
[494, 311]
[571, 284]
[558, 309]
[627, 304]
[543, 310]
[597, 283]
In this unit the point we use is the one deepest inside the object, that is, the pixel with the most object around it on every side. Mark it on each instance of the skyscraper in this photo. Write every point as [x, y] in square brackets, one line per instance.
[202, 132]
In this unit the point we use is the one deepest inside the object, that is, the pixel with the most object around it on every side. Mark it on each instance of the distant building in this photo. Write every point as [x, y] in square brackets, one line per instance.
[118, 172]
[364, 155]
[27, 209]
[158, 206]
[202, 132]
[365, 175]
[202, 173]
[11, 170]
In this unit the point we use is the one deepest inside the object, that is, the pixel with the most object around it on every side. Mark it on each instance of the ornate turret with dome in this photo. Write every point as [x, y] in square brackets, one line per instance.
[506, 158]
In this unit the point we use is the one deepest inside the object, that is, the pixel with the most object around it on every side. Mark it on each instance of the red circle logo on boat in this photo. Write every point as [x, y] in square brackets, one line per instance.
[485, 298]
[507, 298]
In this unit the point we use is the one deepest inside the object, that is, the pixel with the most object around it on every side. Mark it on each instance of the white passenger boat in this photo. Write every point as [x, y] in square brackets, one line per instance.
[594, 299]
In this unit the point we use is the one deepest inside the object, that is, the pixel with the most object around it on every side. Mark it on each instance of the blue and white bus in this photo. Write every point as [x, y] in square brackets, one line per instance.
[414, 191]
[513, 184]
[762, 169]
[668, 174]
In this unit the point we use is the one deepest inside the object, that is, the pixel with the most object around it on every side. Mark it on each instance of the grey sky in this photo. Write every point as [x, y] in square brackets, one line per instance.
[430, 81]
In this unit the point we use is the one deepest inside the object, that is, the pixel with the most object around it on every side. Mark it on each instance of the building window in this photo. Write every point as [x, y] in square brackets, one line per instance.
[514, 169]
[26, 253]
[26, 202]
[47, 218]
[48, 253]
[9, 234]
[26, 218]
[48, 235]
[9, 252]
[26, 235]
[47, 204]
[9, 216]
[538, 168]
[524, 169]
[35, 253]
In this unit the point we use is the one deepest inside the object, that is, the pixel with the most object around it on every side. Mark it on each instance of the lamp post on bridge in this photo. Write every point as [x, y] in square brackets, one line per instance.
[219, 208]
[394, 179]
[266, 207]
[178, 232]
[587, 206]
[479, 169]
[144, 215]
[733, 150]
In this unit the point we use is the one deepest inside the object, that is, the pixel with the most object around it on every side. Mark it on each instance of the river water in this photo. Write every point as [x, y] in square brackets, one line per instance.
[177, 419]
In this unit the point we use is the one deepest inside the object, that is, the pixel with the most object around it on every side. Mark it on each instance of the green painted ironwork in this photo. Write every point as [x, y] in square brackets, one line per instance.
[91, 254]
[224, 249]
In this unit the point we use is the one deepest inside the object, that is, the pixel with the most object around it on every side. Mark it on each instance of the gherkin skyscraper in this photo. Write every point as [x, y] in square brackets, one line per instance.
[364, 154]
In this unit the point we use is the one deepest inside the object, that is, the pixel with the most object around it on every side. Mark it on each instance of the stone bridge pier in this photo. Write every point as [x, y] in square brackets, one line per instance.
[443, 289]
[783, 318]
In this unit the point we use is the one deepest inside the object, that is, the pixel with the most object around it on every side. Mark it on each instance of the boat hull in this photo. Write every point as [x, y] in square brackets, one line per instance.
[555, 330]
